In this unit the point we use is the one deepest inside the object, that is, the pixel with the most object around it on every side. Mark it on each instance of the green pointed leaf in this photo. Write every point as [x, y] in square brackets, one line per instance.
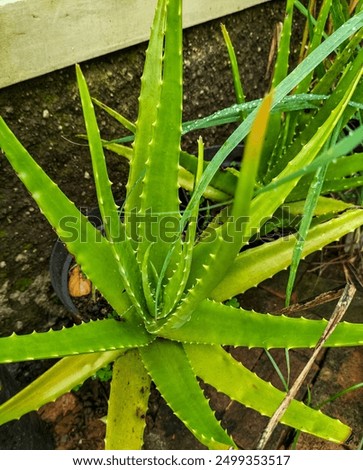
[99, 335]
[59, 379]
[108, 209]
[163, 206]
[324, 85]
[333, 156]
[174, 290]
[215, 323]
[169, 367]
[230, 377]
[262, 207]
[325, 205]
[121, 119]
[114, 228]
[316, 41]
[148, 101]
[238, 89]
[128, 403]
[280, 72]
[348, 81]
[220, 253]
[254, 266]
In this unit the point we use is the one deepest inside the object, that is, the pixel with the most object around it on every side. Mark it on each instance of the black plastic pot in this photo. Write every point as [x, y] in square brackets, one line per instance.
[233, 159]
[60, 263]
[61, 260]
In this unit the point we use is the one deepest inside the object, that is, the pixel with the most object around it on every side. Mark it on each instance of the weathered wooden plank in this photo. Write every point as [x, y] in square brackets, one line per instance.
[39, 36]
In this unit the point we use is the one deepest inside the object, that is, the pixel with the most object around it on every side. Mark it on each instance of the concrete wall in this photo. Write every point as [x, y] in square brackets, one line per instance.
[57, 34]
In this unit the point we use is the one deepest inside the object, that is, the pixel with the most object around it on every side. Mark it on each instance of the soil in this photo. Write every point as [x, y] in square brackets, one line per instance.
[45, 114]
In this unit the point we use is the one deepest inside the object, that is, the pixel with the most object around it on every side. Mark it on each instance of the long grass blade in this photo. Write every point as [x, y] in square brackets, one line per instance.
[238, 88]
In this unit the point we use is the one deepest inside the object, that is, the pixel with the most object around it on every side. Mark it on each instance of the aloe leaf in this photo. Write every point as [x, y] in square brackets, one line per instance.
[326, 82]
[96, 255]
[128, 403]
[59, 379]
[262, 206]
[100, 335]
[330, 156]
[346, 166]
[121, 119]
[345, 184]
[307, 13]
[319, 119]
[337, 14]
[174, 289]
[146, 283]
[324, 205]
[242, 385]
[344, 173]
[238, 88]
[107, 205]
[148, 101]
[185, 178]
[114, 228]
[255, 265]
[165, 144]
[220, 253]
[215, 323]
[170, 369]
[283, 52]
[119, 149]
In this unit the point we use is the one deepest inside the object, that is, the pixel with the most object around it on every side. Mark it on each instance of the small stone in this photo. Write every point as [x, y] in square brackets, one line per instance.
[46, 114]
[86, 175]
[19, 325]
[21, 257]
[2, 264]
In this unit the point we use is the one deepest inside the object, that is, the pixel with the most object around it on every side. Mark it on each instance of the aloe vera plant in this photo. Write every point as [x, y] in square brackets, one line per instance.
[164, 279]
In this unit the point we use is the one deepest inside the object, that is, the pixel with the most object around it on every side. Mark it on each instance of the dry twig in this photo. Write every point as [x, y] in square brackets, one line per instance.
[336, 317]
